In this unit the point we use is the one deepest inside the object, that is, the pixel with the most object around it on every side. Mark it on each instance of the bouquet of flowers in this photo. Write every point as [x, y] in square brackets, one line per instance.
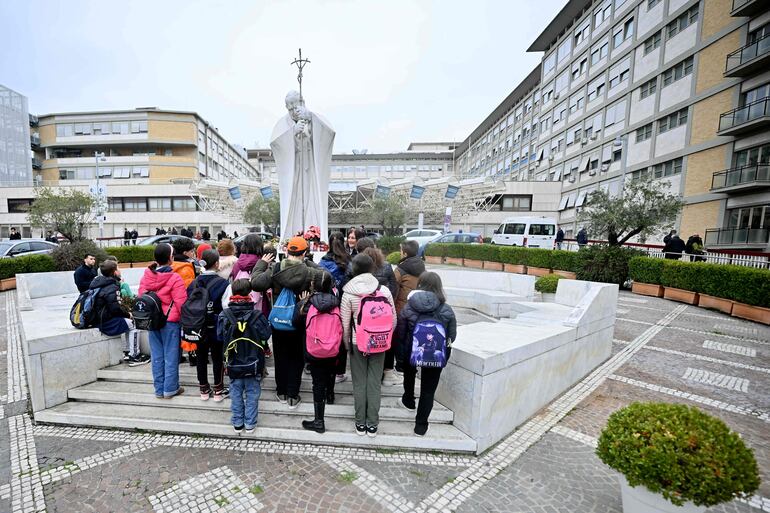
[312, 234]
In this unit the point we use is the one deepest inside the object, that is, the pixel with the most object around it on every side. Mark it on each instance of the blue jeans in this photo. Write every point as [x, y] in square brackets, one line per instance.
[244, 395]
[164, 350]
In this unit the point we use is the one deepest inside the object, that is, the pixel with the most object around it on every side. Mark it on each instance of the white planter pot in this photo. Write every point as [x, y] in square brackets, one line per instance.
[548, 297]
[639, 499]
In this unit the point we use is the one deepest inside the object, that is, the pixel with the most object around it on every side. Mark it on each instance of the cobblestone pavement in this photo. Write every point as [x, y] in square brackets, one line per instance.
[663, 351]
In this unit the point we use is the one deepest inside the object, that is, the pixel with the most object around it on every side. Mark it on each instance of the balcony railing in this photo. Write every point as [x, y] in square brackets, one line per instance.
[748, 7]
[36, 164]
[746, 118]
[748, 59]
[737, 237]
[34, 140]
[33, 120]
[742, 177]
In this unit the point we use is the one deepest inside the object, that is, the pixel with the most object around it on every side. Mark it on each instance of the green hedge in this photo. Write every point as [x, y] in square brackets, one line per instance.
[514, 255]
[126, 254]
[394, 257]
[488, 252]
[436, 250]
[389, 243]
[537, 257]
[10, 267]
[562, 260]
[681, 275]
[547, 283]
[646, 270]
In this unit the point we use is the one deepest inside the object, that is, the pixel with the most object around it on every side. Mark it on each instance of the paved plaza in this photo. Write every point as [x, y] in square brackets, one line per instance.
[662, 351]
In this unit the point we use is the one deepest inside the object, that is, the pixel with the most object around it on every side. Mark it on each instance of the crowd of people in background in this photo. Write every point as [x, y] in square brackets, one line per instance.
[228, 305]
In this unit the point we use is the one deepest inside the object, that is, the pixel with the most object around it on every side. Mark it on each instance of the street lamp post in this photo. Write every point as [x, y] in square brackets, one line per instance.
[99, 156]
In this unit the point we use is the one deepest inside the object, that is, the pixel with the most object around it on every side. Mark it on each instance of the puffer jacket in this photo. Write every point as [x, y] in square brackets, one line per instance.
[226, 264]
[422, 302]
[184, 268]
[357, 287]
[109, 314]
[407, 274]
[168, 285]
[387, 278]
[245, 262]
[297, 276]
[323, 302]
[339, 273]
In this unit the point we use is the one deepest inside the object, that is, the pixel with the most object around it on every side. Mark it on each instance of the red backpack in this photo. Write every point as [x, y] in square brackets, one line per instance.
[374, 329]
[323, 332]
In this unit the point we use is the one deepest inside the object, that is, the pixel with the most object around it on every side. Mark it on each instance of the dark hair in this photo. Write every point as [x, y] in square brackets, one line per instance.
[162, 253]
[360, 234]
[182, 245]
[88, 255]
[241, 287]
[226, 247]
[211, 257]
[323, 282]
[252, 245]
[410, 247]
[111, 257]
[431, 282]
[362, 244]
[362, 264]
[337, 249]
[375, 254]
[269, 249]
[108, 267]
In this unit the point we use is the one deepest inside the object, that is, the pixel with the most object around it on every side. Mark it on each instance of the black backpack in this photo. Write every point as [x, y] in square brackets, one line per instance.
[83, 312]
[196, 312]
[244, 340]
[148, 312]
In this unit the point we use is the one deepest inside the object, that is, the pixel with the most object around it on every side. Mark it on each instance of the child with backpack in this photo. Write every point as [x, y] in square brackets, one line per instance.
[368, 320]
[426, 328]
[320, 314]
[161, 296]
[287, 279]
[243, 330]
[199, 324]
[337, 262]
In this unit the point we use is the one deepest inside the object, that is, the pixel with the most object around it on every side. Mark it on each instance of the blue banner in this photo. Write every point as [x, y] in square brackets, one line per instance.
[451, 191]
[267, 192]
[417, 192]
[235, 192]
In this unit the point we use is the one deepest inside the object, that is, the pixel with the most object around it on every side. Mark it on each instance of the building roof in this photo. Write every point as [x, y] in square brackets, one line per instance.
[562, 20]
[521, 90]
[401, 155]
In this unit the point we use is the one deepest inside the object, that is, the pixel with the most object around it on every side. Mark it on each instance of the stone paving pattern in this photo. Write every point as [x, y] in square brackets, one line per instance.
[83, 470]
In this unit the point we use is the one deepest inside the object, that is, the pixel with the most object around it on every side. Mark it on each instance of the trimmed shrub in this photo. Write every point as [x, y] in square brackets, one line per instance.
[487, 252]
[679, 452]
[389, 243]
[646, 269]
[394, 257]
[10, 266]
[435, 249]
[548, 283]
[455, 250]
[537, 257]
[606, 264]
[67, 257]
[562, 260]
[681, 275]
[514, 255]
[126, 254]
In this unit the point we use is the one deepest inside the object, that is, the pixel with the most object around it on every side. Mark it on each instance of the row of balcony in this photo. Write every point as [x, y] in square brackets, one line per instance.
[753, 237]
[748, 7]
[741, 178]
[749, 59]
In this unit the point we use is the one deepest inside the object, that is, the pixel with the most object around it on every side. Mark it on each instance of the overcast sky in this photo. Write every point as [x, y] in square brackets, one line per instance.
[384, 73]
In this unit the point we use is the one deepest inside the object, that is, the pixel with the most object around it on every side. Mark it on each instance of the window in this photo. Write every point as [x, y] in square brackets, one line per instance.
[135, 204]
[621, 34]
[183, 204]
[19, 206]
[573, 134]
[620, 73]
[515, 228]
[672, 121]
[670, 168]
[652, 3]
[514, 203]
[640, 174]
[564, 50]
[542, 229]
[561, 83]
[652, 42]
[602, 14]
[139, 127]
[581, 34]
[596, 89]
[600, 51]
[648, 88]
[682, 21]
[115, 204]
[560, 113]
[677, 71]
[616, 113]
[576, 102]
[751, 156]
[579, 68]
[120, 127]
[64, 130]
[643, 133]
[549, 64]
[66, 174]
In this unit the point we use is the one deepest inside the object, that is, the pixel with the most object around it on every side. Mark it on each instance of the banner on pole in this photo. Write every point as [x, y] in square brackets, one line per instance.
[451, 191]
[417, 192]
[235, 192]
[267, 192]
[381, 191]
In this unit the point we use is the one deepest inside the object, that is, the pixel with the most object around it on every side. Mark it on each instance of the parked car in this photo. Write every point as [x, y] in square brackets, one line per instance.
[266, 237]
[168, 239]
[530, 232]
[374, 236]
[465, 238]
[422, 236]
[14, 248]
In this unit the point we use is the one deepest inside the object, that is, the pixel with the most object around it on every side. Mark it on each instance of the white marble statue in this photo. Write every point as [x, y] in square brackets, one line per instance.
[302, 147]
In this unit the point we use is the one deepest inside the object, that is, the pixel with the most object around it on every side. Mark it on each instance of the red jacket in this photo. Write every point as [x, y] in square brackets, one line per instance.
[168, 286]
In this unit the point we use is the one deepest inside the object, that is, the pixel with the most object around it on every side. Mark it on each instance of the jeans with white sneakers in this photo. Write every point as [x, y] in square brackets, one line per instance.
[244, 401]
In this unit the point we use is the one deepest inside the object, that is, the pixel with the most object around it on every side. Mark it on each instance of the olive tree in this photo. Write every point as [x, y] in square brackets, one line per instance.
[67, 211]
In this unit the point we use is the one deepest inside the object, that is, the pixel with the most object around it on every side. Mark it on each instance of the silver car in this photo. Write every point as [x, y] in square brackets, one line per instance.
[14, 248]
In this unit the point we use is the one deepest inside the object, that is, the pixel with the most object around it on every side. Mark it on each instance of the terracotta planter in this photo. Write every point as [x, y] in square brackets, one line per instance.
[453, 261]
[565, 274]
[141, 264]
[125, 265]
[8, 284]
[515, 268]
[716, 303]
[538, 271]
[476, 264]
[493, 266]
[434, 260]
[647, 289]
[683, 296]
[752, 313]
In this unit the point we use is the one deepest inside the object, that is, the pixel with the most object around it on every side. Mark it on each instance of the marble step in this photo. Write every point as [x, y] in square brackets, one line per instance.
[188, 378]
[272, 427]
[143, 394]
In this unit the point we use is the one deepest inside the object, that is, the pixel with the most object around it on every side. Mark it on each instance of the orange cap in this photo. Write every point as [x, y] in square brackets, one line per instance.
[296, 244]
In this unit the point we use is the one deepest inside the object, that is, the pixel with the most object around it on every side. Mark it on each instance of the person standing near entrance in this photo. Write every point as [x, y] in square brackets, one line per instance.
[559, 238]
[14, 235]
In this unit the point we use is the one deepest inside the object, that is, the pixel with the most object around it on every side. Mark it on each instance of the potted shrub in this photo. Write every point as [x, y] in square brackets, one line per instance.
[453, 254]
[473, 255]
[538, 261]
[563, 263]
[547, 286]
[675, 458]
[681, 280]
[435, 253]
[394, 257]
[715, 282]
[645, 273]
[514, 259]
[750, 289]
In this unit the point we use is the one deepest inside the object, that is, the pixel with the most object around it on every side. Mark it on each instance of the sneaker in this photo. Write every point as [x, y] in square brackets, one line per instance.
[238, 429]
[135, 361]
[340, 378]
[360, 429]
[219, 396]
[125, 357]
[307, 370]
[392, 379]
[179, 391]
[420, 430]
[281, 398]
[371, 431]
[205, 394]
[409, 405]
[193, 359]
[294, 402]
[249, 430]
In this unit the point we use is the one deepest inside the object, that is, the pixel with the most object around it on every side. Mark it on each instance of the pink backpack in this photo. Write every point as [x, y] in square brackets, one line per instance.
[256, 297]
[323, 334]
[374, 329]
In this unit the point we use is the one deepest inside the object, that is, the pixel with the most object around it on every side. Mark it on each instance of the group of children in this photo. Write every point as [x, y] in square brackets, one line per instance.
[352, 306]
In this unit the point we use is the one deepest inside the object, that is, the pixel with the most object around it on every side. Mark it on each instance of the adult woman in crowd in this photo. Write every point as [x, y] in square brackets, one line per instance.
[227, 257]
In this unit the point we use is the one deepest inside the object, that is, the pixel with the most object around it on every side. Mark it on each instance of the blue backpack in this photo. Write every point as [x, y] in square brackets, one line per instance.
[282, 315]
[83, 312]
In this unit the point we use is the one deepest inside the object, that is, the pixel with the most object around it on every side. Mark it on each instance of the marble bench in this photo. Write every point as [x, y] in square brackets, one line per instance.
[492, 293]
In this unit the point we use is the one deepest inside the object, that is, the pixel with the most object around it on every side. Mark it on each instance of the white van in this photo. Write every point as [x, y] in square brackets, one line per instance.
[531, 232]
